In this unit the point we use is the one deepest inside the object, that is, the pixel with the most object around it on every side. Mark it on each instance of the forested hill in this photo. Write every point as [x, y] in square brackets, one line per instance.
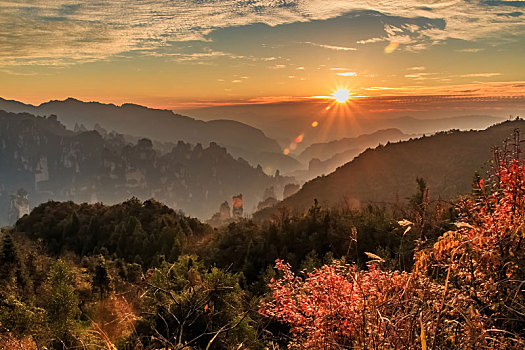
[447, 161]
[42, 157]
[135, 231]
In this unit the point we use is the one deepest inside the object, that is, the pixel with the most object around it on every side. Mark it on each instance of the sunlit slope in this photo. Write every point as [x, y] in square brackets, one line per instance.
[447, 161]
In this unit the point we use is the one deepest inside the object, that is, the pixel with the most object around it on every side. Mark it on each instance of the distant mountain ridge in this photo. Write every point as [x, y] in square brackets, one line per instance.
[413, 125]
[240, 139]
[285, 120]
[326, 150]
[447, 161]
[323, 158]
[41, 156]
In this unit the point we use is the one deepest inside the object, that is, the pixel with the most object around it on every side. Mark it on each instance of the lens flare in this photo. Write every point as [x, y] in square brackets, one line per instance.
[391, 47]
[315, 124]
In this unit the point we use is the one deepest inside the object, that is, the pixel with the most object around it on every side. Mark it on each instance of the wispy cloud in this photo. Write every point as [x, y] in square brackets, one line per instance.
[422, 76]
[198, 56]
[379, 88]
[416, 68]
[370, 41]
[332, 47]
[59, 32]
[470, 50]
[480, 75]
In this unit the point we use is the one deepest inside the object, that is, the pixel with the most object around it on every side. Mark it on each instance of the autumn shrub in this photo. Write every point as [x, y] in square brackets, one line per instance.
[466, 291]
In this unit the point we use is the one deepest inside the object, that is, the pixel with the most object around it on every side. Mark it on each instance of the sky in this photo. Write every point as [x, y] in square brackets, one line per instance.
[182, 54]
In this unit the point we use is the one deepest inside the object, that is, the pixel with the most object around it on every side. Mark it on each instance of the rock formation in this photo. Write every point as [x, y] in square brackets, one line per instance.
[237, 210]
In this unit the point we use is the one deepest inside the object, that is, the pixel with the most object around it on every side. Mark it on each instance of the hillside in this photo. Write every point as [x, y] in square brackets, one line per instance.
[447, 161]
[240, 139]
[324, 158]
[48, 161]
[326, 150]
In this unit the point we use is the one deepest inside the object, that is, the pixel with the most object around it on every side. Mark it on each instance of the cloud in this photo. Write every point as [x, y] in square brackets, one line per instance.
[422, 76]
[199, 56]
[480, 75]
[370, 41]
[332, 47]
[379, 88]
[347, 74]
[470, 50]
[61, 32]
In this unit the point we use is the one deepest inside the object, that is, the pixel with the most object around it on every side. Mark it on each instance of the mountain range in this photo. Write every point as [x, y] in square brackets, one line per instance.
[326, 150]
[48, 161]
[323, 158]
[285, 121]
[447, 161]
[241, 140]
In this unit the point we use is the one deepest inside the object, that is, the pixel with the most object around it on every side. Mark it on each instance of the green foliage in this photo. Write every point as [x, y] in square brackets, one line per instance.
[101, 279]
[9, 255]
[321, 234]
[13, 275]
[194, 306]
[19, 318]
[138, 232]
[164, 297]
[62, 306]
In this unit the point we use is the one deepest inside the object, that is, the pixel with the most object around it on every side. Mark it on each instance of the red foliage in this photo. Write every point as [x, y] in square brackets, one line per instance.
[339, 307]
[466, 291]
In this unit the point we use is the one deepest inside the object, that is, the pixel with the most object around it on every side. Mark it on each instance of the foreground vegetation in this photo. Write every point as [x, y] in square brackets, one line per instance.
[138, 275]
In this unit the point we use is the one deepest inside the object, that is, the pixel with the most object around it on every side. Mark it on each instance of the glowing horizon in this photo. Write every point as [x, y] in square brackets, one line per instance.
[234, 53]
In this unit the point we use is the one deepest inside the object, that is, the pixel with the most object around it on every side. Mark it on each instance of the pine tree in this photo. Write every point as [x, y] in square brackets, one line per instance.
[63, 303]
[9, 258]
[9, 254]
[101, 279]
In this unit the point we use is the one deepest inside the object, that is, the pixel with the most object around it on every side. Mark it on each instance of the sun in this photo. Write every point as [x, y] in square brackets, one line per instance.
[341, 95]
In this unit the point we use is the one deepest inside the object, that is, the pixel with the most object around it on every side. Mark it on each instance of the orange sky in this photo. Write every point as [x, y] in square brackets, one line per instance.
[184, 55]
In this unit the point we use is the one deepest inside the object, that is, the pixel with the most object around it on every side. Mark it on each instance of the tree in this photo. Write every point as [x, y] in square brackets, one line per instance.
[62, 306]
[191, 307]
[9, 259]
[101, 279]
[13, 274]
